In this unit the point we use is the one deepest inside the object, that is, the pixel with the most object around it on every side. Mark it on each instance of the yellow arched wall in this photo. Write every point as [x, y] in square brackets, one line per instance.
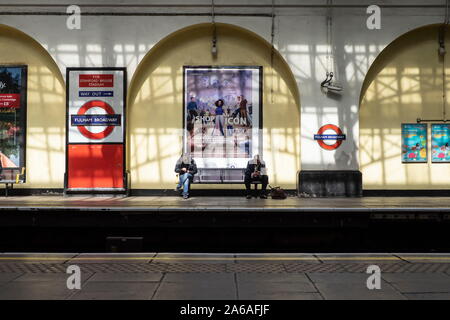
[403, 84]
[155, 104]
[45, 138]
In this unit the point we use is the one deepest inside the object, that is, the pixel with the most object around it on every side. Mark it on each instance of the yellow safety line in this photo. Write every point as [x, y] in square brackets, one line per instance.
[224, 258]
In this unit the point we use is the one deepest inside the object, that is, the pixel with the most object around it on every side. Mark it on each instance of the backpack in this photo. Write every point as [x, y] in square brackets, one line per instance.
[277, 193]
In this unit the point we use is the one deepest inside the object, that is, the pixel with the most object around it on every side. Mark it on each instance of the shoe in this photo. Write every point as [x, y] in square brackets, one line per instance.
[263, 196]
[248, 196]
[177, 188]
[185, 196]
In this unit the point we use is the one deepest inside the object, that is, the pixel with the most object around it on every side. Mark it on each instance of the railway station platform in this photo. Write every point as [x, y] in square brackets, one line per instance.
[170, 204]
[224, 224]
[224, 276]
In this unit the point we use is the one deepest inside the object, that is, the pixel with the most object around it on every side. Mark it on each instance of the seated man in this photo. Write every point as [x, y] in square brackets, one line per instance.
[256, 171]
[186, 169]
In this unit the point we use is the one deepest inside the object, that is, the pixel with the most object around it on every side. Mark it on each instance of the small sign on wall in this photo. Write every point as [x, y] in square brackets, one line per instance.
[414, 143]
[329, 137]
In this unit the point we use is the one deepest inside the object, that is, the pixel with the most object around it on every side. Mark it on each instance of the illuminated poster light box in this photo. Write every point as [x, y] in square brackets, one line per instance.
[13, 110]
[222, 114]
[414, 143]
[440, 141]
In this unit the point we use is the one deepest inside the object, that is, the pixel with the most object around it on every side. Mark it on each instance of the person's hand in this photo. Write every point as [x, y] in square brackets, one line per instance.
[184, 169]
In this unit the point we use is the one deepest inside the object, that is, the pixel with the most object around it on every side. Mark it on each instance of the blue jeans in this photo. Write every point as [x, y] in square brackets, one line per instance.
[185, 180]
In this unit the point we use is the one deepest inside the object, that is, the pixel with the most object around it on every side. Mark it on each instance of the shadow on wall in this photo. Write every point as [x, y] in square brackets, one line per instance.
[155, 103]
[404, 83]
[45, 108]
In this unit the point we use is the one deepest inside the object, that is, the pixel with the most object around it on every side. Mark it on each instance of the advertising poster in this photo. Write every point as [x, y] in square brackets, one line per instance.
[95, 129]
[13, 86]
[414, 143]
[440, 140]
[222, 115]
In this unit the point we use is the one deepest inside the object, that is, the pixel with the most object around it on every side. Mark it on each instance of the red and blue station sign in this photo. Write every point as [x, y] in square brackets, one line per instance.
[320, 137]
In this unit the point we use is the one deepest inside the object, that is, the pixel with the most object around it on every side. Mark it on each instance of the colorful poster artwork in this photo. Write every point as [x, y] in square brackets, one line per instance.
[222, 115]
[12, 116]
[414, 143]
[440, 140]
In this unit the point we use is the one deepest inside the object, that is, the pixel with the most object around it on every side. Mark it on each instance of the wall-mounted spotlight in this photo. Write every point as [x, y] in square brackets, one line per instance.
[328, 86]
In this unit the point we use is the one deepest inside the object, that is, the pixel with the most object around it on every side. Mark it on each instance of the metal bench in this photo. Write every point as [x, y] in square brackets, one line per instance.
[11, 176]
[222, 176]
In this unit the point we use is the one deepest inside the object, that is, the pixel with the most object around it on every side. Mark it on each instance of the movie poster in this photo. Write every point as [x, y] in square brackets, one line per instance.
[222, 115]
[12, 115]
[440, 140]
[414, 143]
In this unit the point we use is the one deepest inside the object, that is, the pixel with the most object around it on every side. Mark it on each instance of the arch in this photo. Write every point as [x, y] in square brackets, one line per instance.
[155, 102]
[403, 83]
[45, 108]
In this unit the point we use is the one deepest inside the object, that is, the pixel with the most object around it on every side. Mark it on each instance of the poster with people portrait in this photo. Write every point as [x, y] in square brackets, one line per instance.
[13, 98]
[440, 141]
[222, 115]
[414, 143]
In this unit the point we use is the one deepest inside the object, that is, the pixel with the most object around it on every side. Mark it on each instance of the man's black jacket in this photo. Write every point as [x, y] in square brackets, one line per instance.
[191, 168]
[251, 167]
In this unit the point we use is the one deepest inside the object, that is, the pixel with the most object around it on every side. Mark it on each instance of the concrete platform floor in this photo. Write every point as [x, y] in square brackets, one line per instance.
[173, 204]
[167, 276]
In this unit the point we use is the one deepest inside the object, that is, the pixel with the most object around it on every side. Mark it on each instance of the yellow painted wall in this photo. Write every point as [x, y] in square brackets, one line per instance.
[45, 108]
[155, 104]
[403, 84]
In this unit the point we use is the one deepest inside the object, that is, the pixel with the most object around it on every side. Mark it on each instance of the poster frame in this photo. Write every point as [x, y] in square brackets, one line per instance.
[23, 115]
[124, 121]
[426, 145]
[260, 92]
[431, 140]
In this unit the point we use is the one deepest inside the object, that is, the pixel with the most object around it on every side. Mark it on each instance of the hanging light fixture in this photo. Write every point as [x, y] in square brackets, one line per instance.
[328, 86]
[214, 38]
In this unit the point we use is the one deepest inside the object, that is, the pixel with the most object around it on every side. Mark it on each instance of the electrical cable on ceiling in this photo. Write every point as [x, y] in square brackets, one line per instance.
[444, 77]
[272, 49]
[329, 67]
[446, 11]
[327, 85]
[442, 52]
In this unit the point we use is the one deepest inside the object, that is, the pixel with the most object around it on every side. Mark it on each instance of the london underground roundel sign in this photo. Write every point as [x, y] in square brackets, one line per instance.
[109, 120]
[337, 137]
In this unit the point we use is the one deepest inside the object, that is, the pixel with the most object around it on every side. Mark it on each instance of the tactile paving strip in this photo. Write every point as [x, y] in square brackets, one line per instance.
[13, 267]
[257, 268]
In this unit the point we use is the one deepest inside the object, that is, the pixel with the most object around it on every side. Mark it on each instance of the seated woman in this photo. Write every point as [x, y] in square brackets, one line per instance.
[256, 170]
[186, 169]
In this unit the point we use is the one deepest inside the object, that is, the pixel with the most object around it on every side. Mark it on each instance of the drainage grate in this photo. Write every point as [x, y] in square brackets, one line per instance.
[11, 267]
